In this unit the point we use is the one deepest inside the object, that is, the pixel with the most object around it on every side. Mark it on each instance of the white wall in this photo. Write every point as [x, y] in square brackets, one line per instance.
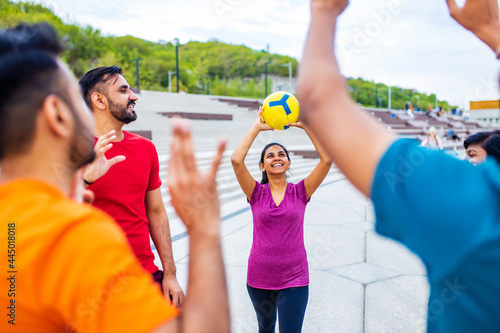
[489, 115]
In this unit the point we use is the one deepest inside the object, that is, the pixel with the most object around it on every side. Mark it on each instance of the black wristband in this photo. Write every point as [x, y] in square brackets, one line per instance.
[86, 182]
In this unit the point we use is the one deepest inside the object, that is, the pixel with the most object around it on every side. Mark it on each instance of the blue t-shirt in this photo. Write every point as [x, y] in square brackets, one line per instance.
[446, 211]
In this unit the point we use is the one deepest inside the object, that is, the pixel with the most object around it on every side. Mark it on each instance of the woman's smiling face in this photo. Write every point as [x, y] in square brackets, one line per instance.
[275, 160]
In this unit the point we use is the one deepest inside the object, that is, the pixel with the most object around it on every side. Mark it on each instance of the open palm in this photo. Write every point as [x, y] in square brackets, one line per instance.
[101, 164]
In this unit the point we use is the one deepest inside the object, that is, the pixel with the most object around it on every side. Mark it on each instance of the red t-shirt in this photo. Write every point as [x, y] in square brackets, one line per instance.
[121, 192]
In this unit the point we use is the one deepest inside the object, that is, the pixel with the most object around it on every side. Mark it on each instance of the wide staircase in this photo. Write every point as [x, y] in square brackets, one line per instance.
[400, 122]
[358, 279]
[232, 117]
[206, 135]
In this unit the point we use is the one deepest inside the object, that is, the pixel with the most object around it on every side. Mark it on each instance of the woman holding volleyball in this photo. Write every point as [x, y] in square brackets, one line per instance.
[278, 275]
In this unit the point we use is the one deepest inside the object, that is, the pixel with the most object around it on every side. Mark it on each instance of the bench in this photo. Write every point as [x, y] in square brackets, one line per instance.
[197, 115]
[145, 134]
[306, 153]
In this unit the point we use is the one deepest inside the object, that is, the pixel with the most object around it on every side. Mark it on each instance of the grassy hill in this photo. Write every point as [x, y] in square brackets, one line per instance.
[229, 70]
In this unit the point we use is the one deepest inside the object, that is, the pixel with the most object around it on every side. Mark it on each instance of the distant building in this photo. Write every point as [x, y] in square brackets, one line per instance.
[488, 111]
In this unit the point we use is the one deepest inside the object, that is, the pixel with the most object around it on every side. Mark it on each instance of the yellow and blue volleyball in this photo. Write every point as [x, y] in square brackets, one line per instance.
[280, 108]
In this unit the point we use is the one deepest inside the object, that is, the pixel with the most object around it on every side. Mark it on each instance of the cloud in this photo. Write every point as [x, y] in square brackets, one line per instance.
[417, 46]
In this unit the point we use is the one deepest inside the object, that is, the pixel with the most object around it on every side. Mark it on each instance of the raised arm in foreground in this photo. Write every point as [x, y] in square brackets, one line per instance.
[351, 137]
[196, 201]
[481, 18]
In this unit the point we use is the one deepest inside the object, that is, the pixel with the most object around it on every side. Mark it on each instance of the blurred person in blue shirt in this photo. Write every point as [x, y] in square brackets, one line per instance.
[458, 239]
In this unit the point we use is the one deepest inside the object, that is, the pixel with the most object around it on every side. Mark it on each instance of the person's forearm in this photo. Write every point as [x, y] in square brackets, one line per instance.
[318, 62]
[206, 307]
[241, 151]
[352, 138]
[319, 45]
[195, 199]
[323, 156]
[490, 35]
[320, 38]
[159, 229]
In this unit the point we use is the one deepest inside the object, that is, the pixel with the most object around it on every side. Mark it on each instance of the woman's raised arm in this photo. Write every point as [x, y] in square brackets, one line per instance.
[245, 179]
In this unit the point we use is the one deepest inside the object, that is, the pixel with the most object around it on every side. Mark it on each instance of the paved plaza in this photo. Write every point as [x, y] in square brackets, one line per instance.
[359, 281]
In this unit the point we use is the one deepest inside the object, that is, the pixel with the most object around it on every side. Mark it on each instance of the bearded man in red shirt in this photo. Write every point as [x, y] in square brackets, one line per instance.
[130, 191]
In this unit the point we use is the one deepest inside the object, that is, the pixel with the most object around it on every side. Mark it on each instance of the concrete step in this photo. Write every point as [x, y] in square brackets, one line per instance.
[226, 168]
[233, 201]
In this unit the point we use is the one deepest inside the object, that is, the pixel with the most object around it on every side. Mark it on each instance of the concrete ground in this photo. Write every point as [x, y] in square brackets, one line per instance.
[359, 281]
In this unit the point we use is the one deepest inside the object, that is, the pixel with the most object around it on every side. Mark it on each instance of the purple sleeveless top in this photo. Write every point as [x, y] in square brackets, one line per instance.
[278, 256]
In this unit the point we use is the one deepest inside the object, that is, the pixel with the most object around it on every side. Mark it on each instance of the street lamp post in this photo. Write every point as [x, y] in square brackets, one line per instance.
[266, 74]
[390, 99]
[289, 75]
[208, 83]
[376, 95]
[137, 72]
[177, 45]
[170, 80]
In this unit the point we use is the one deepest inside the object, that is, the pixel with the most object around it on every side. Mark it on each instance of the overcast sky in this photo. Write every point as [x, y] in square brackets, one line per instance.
[405, 43]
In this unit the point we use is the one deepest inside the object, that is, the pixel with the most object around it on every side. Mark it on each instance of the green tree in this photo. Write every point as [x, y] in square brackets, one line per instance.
[233, 70]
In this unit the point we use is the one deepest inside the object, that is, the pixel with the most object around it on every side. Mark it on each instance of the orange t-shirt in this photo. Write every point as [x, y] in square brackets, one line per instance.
[67, 267]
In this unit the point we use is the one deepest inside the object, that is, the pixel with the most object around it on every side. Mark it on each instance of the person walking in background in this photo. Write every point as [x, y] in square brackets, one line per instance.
[451, 134]
[460, 247]
[278, 272]
[432, 141]
[71, 267]
[130, 192]
[410, 112]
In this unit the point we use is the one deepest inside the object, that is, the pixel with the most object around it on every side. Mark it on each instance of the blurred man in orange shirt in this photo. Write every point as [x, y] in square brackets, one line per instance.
[67, 267]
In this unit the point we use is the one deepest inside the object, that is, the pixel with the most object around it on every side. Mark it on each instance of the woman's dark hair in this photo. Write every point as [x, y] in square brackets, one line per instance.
[265, 180]
[489, 141]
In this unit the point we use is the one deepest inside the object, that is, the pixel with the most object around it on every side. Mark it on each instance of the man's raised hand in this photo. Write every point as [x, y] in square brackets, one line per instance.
[101, 164]
[193, 194]
[480, 17]
[335, 6]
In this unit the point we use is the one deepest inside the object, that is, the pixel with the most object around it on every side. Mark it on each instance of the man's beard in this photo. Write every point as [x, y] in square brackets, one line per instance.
[121, 113]
[81, 145]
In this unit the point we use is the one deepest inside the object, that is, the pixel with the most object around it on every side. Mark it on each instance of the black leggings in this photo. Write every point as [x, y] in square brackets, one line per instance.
[291, 305]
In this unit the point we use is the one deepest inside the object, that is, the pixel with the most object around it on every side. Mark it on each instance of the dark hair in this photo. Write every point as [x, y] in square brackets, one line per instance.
[492, 145]
[29, 72]
[476, 139]
[489, 141]
[265, 180]
[35, 37]
[91, 81]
